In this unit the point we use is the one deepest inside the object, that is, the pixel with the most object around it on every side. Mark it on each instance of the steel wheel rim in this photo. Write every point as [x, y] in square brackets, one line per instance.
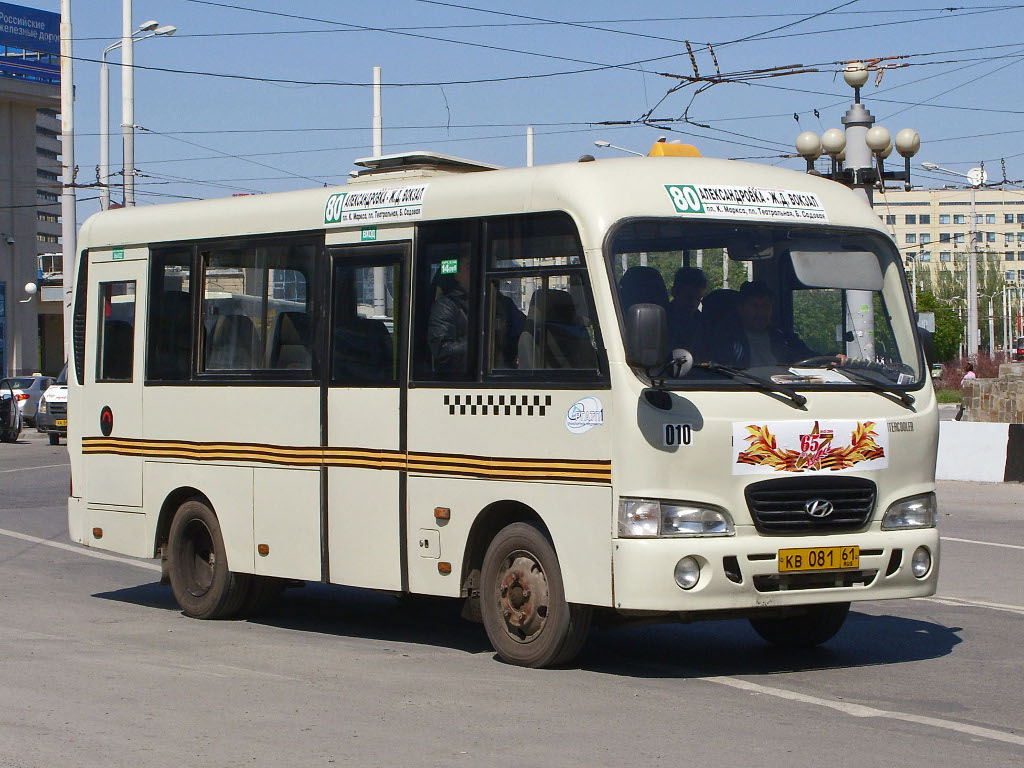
[523, 596]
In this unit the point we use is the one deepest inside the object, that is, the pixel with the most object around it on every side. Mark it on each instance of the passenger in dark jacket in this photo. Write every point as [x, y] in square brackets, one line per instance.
[758, 343]
[685, 324]
[448, 325]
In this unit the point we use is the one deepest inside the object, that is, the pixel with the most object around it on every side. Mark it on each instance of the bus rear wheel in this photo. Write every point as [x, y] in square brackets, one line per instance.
[198, 565]
[523, 606]
[818, 625]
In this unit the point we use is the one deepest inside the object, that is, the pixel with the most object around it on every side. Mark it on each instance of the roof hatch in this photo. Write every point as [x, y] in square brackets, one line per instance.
[417, 163]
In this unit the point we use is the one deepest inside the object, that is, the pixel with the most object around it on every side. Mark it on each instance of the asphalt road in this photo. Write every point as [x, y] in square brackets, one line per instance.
[98, 667]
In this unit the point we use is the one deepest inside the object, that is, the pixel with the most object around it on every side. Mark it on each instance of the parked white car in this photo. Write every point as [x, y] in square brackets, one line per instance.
[52, 414]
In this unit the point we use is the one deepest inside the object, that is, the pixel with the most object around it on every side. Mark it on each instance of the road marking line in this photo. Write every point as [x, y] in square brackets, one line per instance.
[986, 543]
[859, 710]
[26, 469]
[80, 550]
[963, 602]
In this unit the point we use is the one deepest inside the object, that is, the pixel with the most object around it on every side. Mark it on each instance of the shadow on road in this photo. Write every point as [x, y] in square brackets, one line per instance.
[728, 647]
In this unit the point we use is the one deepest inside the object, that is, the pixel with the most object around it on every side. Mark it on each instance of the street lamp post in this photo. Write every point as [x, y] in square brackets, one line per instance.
[154, 29]
[609, 145]
[976, 177]
[858, 156]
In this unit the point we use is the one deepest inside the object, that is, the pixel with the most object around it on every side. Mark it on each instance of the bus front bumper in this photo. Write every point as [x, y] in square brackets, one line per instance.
[742, 572]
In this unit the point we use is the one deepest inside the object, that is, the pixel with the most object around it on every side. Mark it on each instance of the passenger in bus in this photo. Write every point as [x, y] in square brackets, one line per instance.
[685, 322]
[448, 324]
[554, 336]
[757, 342]
[765, 344]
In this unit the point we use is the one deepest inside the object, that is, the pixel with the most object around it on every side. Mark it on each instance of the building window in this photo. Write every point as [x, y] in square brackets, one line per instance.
[945, 256]
[48, 217]
[1020, 218]
[890, 219]
[1008, 256]
[47, 113]
[943, 218]
[911, 237]
[49, 154]
[943, 237]
[910, 218]
[959, 218]
[1020, 255]
[1010, 274]
[1009, 238]
[44, 238]
[925, 256]
[1007, 218]
[990, 237]
[1020, 237]
[46, 175]
[979, 219]
[924, 218]
[958, 237]
[1020, 274]
[990, 218]
[926, 237]
[49, 197]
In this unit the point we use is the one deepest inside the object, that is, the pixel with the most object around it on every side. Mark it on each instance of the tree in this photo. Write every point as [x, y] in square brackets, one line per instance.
[948, 329]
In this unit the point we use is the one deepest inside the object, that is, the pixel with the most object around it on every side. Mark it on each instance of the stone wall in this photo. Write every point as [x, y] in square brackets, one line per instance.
[998, 400]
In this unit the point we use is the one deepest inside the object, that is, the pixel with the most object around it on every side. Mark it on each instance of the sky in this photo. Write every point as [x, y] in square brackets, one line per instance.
[255, 96]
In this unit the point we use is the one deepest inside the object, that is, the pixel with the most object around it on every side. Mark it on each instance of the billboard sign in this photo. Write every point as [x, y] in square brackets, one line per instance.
[29, 44]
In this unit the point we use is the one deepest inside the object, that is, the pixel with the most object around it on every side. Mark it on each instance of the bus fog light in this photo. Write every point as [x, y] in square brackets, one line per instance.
[921, 562]
[687, 572]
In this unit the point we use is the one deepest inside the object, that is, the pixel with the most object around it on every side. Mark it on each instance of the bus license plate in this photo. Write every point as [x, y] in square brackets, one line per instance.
[62, 422]
[819, 559]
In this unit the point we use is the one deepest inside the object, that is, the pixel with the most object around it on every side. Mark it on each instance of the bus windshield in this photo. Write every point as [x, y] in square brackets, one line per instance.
[800, 306]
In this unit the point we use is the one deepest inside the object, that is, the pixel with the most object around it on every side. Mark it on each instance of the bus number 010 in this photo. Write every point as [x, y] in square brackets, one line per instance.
[678, 434]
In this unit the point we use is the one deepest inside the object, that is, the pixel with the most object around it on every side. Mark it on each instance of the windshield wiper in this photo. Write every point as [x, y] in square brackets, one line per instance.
[757, 382]
[905, 398]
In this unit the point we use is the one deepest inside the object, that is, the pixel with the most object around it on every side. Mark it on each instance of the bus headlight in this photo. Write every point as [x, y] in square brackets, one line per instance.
[915, 512]
[650, 517]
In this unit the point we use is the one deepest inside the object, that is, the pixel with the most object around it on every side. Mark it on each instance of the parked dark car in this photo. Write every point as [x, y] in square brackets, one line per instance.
[10, 414]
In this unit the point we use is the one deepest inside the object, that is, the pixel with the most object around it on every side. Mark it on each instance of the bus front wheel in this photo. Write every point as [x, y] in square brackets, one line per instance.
[818, 625]
[198, 565]
[523, 606]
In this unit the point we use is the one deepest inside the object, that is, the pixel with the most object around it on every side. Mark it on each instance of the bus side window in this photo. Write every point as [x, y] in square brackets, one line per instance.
[170, 316]
[365, 332]
[540, 316]
[257, 310]
[116, 337]
[445, 318]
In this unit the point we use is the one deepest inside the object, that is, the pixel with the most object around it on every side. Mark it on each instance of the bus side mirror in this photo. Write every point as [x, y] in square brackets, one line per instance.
[646, 336]
[927, 344]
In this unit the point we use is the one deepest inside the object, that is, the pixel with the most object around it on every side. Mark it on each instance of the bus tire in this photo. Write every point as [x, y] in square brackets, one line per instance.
[198, 565]
[522, 601]
[818, 625]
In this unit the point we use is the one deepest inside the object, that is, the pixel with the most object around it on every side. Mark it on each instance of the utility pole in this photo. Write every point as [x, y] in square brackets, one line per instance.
[128, 101]
[68, 199]
[529, 146]
[972, 284]
[378, 130]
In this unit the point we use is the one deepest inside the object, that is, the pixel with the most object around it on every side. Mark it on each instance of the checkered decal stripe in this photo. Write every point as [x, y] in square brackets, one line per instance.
[497, 405]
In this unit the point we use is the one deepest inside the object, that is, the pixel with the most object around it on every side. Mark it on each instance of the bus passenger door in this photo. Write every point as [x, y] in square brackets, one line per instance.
[364, 455]
[110, 407]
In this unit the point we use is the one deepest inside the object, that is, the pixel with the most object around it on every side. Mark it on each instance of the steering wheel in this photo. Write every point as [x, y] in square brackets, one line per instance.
[820, 360]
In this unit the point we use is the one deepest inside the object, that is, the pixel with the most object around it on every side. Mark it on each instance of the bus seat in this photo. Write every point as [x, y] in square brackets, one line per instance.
[231, 343]
[642, 285]
[118, 341]
[562, 342]
[292, 342]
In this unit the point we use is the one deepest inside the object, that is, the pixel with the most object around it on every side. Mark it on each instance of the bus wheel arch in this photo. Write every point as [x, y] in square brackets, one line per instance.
[168, 509]
[488, 523]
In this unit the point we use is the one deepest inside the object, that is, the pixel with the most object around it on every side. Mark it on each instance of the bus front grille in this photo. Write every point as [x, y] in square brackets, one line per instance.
[781, 505]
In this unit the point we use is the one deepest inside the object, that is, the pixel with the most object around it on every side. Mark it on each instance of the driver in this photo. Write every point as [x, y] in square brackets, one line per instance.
[762, 344]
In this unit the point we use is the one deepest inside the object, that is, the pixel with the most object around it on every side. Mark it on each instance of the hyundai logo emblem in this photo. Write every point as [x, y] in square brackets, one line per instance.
[818, 508]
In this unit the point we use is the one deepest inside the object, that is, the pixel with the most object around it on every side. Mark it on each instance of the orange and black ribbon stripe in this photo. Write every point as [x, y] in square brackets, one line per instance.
[414, 462]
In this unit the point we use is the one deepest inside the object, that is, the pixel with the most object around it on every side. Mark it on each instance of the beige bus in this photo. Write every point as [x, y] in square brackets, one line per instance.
[666, 387]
